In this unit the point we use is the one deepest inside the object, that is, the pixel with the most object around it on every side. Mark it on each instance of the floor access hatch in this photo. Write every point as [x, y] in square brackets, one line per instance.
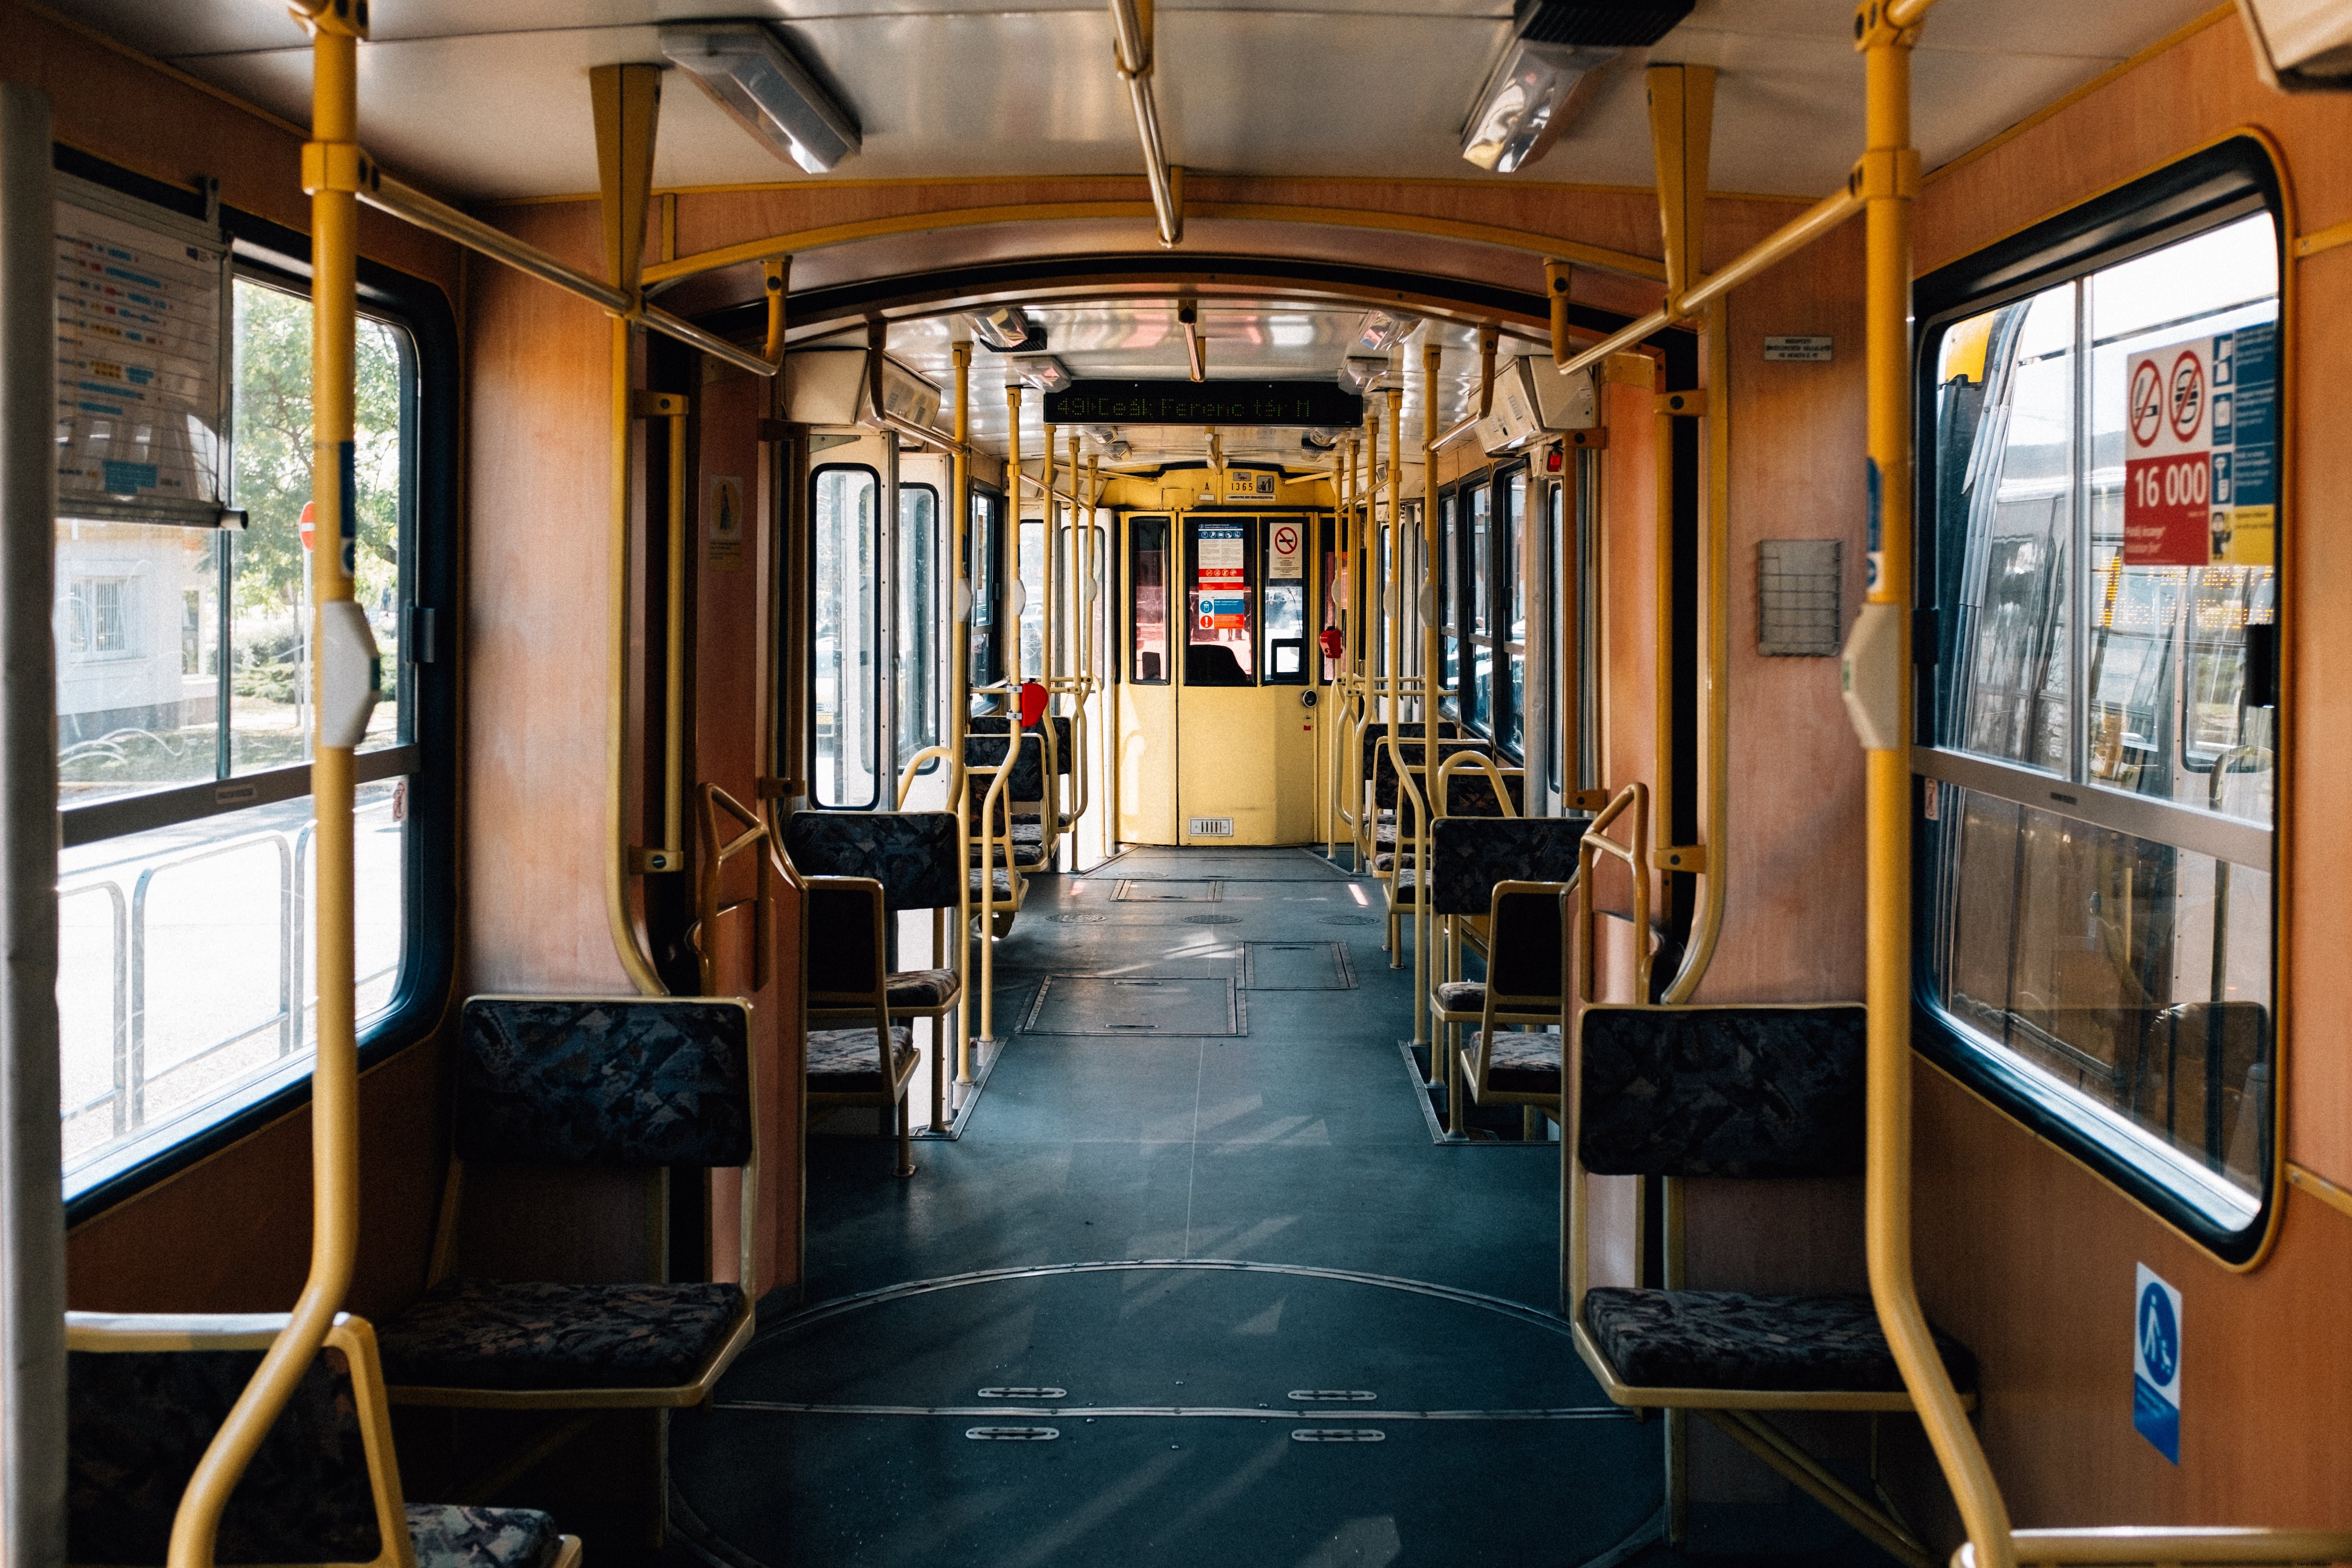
[1138, 1008]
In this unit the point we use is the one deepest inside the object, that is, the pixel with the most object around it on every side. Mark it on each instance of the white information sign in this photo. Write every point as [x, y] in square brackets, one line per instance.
[2200, 462]
[1804, 348]
[141, 368]
[1286, 551]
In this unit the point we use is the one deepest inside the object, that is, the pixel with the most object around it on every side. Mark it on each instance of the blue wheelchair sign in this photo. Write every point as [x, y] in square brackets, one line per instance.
[2156, 1364]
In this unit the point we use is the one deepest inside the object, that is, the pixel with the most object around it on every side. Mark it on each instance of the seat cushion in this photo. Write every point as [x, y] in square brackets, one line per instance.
[1401, 885]
[495, 1334]
[1004, 880]
[847, 1062]
[922, 988]
[1524, 1061]
[447, 1535]
[1461, 995]
[1730, 1339]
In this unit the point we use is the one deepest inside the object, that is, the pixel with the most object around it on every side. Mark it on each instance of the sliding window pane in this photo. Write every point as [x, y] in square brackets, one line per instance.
[1148, 587]
[919, 610]
[187, 968]
[138, 631]
[1481, 609]
[844, 669]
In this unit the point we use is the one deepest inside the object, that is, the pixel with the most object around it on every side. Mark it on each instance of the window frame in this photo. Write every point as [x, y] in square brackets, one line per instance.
[2223, 183]
[270, 253]
[1130, 647]
[920, 673]
[817, 473]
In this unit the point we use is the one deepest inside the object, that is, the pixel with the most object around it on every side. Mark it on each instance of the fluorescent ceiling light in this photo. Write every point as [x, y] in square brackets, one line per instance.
[1380, 330]
[1043, 371]
[1006, 328]
[1535, 91]
[1359, 375]
[744, 68]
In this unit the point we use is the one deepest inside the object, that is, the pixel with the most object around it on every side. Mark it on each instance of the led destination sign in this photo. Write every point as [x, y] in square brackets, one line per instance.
[1307, 403]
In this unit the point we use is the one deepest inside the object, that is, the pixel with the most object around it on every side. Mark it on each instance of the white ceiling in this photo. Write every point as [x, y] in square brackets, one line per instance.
[483, 101]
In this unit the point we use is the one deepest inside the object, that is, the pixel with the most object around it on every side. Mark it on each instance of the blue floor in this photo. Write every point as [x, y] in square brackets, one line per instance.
[932, 1401]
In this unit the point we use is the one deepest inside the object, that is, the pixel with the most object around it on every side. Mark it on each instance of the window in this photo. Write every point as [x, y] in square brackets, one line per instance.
[846, 503]
[2099, 949]
[1219, 604]
[985, 548]
[1285, 543]
[1480, 612]
[1449, 606]
[1510, 726]
[1033, 597]
[1146, 580]
[919, 570]
[187, 972]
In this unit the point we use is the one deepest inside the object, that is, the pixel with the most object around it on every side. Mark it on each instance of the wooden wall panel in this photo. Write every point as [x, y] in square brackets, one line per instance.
[233, 1233]
[539, 428]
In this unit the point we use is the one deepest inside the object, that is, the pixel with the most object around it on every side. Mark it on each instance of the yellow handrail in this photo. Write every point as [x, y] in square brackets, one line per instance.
[1631, 802]
[716, 853]
[1466, 761]
[331, 157]
[1887, 177]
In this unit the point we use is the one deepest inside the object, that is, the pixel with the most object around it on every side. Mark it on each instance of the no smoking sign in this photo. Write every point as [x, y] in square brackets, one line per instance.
[2200, 442]
[1285, 551]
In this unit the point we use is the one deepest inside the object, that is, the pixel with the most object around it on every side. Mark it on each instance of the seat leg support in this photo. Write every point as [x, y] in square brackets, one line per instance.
[1768, 1443]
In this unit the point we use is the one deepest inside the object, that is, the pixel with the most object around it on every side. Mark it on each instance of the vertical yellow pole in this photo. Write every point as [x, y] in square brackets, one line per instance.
[330, 167]
[1889, 174]
[1052, 522]
[674, 659]
[1343, 467]
[1424, 924]
[1013, 505]
[1083, 563]
[959, 691]
[1396, 559]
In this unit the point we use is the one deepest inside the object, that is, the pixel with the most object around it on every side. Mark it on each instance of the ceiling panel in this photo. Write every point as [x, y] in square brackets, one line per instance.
[486, 101]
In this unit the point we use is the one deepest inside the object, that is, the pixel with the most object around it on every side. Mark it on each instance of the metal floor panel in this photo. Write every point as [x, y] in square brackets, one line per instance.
[1169, 890]
[1130, 1007]
[1297, 966]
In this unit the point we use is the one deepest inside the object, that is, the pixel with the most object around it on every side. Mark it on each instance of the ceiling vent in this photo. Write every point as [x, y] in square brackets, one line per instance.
[1628, 25]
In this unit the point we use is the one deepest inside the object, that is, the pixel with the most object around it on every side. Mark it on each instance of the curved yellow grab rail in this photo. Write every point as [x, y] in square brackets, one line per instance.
[1472, 762]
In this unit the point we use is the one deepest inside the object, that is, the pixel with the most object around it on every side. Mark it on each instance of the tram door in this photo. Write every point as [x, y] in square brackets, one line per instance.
[1217, 744]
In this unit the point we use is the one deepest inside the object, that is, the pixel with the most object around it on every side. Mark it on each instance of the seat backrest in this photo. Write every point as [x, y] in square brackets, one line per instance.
[1375, 732]
[842, 922]
[637, 1081]
[1384, 776]
[1525, 949]
[911, 853]
[1468, 855]
[1740, 1090]
[1470, 793]
[997, 724]
[138, 1420]
[1028, 780]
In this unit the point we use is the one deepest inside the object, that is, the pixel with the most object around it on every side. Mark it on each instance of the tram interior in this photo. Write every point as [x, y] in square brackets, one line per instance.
[1563, 803]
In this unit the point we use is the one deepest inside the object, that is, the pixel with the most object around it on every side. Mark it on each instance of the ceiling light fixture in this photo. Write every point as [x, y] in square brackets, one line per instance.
[1381, 330]
[1007, 330]
[1361, 375]
[747, 71]
[1550, 69]
[1041, 371]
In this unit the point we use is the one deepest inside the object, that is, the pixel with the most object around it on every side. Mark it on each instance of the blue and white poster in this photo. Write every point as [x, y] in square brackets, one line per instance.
[2156, 1364]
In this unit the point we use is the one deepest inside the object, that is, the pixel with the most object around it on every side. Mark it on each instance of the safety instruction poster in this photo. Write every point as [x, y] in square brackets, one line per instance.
[1286, 551]
[1224, 582]
[140, 370]
[2155, 1363]
[2200, 454]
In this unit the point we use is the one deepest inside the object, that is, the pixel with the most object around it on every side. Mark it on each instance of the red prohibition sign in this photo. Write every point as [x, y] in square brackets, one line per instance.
[2147, 405]
[1285, 542]
[2188, 396]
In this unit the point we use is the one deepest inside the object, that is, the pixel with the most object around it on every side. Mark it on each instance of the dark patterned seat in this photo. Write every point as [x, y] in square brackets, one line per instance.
[911, 853]
[1749, 1092]
[489, 1333]
[1730, 1339]
[323, 1487]
[642, 1085]
[849, 1061]
[1462, 996]
[1524, 1061]
[913, 989]
[451, 1535]
[1000, 878]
